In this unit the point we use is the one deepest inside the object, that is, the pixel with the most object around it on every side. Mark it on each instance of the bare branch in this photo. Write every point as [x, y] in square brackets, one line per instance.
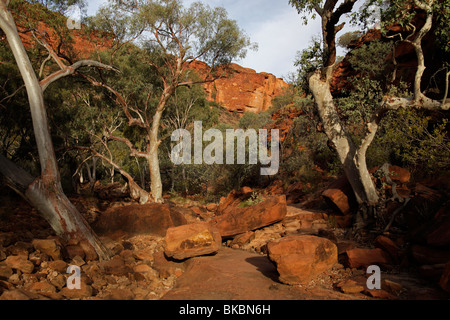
[69, 70]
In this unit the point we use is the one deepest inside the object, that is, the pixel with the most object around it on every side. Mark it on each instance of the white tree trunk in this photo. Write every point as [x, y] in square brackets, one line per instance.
[353, 159]
[44, 193]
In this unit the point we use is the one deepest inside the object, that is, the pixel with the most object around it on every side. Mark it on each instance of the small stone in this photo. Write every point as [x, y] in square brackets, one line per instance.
[145, 255]
[115, 266]
[5, 272]
[78, 261]
[350, 286]
[15, 294]
[58, 265]
[49, 247]
[378, 294]
[89, 251]
[120, 294]
[42, 286]
[73, 251]
[84, 292]
[20, 263]
[242, 239]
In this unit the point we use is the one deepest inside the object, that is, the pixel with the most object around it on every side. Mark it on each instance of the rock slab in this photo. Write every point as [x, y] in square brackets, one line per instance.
[192, 240]
[152, 218]
[242, 220]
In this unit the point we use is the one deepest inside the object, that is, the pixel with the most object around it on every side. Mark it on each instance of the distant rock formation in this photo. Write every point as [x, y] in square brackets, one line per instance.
[242, 89]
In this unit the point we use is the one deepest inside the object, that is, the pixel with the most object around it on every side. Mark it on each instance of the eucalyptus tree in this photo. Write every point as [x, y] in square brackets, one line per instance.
[174, 38]
[351, 153]
[45, 192]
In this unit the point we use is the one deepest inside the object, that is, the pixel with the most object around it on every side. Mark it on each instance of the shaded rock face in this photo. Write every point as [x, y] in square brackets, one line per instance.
[140, 219]
[243, 90]
[300, 259]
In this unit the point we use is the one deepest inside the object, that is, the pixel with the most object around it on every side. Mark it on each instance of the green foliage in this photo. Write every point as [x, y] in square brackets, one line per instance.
[253, 200]
[307, 61]
[255, 121]
[417, 140]
[347, 38]
[370, 59]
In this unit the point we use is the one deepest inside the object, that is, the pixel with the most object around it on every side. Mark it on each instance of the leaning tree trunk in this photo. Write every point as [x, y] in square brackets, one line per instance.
[52, 204]
[352, 158]
[44, 193]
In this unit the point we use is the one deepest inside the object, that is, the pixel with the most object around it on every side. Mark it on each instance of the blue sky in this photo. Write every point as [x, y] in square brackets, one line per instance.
[273, 24]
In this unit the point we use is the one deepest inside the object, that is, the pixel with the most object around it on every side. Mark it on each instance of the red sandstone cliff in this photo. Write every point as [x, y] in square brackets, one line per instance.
[242, 89]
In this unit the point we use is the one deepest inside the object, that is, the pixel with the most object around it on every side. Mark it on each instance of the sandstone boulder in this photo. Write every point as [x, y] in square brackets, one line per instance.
[299, 259]
[140, 219]
[241, 220]
[192, 240]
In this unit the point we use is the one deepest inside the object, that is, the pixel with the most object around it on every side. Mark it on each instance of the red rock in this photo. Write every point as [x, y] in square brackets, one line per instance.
[243, 89]
[379, 294]
[242, 239]
[89, 252]
[15, 295]
[73, 251]
[344, 246]
[5, 272]
[350, 286]
[42, 286]
[339, 196]
[229, 203]
[192, 240]
[389, 246]
[20, 263]
[299, 259]
[58, 265]
[166, 266]
[399, 175]
[241, 220]
[444, 282]
[358, 257]
[120, 294]
[115, 266]
[211, 207]
[85, 291]
[48, 246]
[140, 219]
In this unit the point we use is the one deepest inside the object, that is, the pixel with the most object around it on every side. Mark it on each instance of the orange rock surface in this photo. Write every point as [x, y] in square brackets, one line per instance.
[242, 89]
